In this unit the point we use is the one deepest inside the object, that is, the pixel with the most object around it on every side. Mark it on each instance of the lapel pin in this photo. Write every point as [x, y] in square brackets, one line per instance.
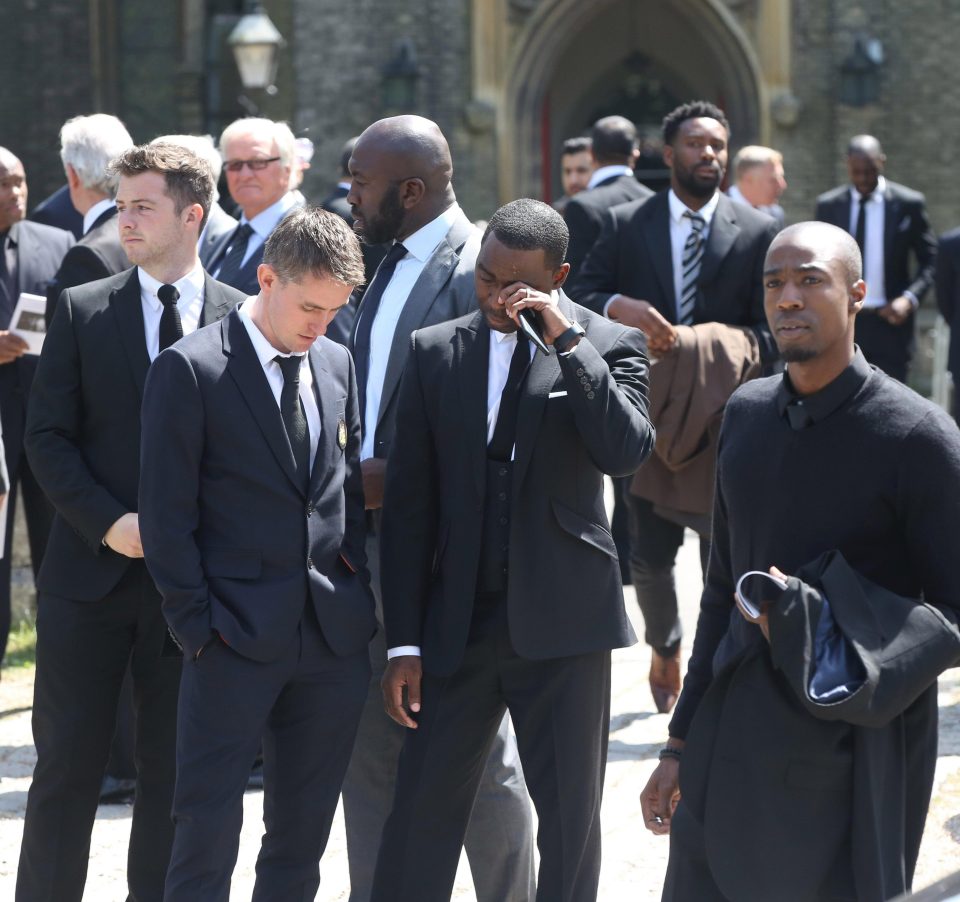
[342, 433]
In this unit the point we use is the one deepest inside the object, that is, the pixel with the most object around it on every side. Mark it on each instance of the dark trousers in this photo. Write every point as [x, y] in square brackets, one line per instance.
[561, 711]
[884, 345]
[83, 649]
[688, 877]
[499, 838]
[654, 543]
[306, 705]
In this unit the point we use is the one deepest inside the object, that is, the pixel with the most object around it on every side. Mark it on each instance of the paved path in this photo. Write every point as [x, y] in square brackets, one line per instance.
[634, 860]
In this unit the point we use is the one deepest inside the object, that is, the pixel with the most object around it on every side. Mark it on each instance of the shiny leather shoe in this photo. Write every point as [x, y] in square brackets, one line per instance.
[665, 680]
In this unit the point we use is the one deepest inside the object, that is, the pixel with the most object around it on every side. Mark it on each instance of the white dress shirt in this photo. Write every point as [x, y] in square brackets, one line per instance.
[95, 212]
[874, 226]
[190, 305]
[420, 247]
[607, 172]
[680, 228]
[264, 223]
[271, 369]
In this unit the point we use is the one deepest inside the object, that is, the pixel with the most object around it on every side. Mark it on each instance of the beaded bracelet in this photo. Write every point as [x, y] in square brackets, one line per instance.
[669, 752]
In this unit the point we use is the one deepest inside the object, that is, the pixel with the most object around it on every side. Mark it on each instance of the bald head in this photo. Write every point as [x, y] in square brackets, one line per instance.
[827, 242]
[866, 145]
[400, 170]
[13, 190]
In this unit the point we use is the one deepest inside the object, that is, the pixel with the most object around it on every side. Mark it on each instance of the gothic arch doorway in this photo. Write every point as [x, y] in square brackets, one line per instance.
[572, 62]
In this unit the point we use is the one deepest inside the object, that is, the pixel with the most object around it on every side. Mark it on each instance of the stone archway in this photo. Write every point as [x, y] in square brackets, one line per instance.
[543, 73]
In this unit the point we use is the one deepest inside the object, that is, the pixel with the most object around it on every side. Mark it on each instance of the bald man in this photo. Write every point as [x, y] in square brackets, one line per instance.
[889, 222]
[401, 194]
[792, 725]
[31, 255]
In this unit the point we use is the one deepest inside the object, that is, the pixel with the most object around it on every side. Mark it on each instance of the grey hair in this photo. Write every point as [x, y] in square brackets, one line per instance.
[278, 131]
[311, 241]
[88, 144]
[202, 146]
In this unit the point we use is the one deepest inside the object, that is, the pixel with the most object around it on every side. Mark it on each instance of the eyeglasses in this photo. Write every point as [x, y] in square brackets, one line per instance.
[255, 165]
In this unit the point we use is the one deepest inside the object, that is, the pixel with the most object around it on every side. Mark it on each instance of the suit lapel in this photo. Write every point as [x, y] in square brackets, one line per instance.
[541, 377]
[215, 305]
[329, 416]
[891, 219]
[244, 368]
[471, 366]
[422, 297]
[656, 236]
[127, 308]
[723, 233]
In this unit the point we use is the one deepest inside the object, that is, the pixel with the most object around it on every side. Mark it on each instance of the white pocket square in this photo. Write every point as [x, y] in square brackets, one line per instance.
[904, 224]
[556, 394]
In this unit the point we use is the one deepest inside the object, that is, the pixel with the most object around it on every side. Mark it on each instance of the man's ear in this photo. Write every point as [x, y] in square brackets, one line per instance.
[412, 192]
[858, 291]
[560, 276]
[193, 213]
[668, 155]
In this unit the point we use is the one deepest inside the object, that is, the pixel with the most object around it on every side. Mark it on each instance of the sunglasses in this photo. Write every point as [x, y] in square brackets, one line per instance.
[255, 165]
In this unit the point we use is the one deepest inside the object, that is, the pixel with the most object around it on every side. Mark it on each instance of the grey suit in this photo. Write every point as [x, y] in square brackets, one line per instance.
[500, 838]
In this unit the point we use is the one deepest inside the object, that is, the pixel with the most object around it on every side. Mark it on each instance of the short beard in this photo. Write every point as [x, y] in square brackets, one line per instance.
[388, 221]
[698, 189]
[797, 355]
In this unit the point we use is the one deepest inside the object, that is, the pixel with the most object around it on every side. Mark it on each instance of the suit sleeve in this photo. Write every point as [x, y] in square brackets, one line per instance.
[584, 229]
[925, 248]
[946, 280]
[54, 432]
[171, 451]
[80, 265]
[408, 541]
[354, 535]
[608, 396]
[596, 280]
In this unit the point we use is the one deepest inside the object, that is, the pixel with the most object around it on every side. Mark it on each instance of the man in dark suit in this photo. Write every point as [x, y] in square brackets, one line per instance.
[259, 156]
[98, 609]
[253, 527]
[815, 788]
[29, 256]
[689, 255]
[613, 146]
[888, 221]
[87, 146]
[402, 197]
[58, 211]
[336, 202]
[948, 303]
[500, 579]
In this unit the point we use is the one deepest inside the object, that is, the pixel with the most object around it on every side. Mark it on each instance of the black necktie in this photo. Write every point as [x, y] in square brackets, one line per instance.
[171, 329]
[505, 432]
[8, 289]
[230, 268]
[294, 419]
[861, 232]
[368, 313]
[798, 415]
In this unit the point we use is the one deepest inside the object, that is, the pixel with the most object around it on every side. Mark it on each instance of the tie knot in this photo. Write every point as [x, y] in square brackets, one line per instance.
[396, 253]
[290, 367]
[697, 222]
[167, 295]
[244, 231]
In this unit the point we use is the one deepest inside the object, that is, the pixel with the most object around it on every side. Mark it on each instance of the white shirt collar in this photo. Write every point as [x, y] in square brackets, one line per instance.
[94, 213]
[189, 287]
[264, 350]
[876, 195]
[678, 208]
[266, 220]
[607, 172]
[423, 242]
[344, 185]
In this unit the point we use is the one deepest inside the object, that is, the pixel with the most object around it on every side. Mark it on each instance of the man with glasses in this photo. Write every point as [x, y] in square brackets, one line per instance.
[258, 156]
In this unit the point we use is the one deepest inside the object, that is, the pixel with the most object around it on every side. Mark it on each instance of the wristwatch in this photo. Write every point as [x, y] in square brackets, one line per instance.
[563, 341]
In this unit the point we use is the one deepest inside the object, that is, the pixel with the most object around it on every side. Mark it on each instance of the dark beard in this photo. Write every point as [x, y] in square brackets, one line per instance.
[797, 355]
[389, 219]
[697, 189]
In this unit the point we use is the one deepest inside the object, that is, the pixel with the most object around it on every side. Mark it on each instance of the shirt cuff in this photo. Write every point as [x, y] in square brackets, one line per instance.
[910, 296]
[403, 650]
[610, 300]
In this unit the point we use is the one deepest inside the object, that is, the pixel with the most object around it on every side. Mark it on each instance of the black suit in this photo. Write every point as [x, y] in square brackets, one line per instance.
[633, 257]
[266, 576]
[541, 645]
[905, 229]
[585, 212]
[95, 256]
[948, 295]
[58, 211]
[36, 253]
[98, 610]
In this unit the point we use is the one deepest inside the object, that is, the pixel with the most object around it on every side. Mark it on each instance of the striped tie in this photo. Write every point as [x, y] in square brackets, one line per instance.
[692, 258]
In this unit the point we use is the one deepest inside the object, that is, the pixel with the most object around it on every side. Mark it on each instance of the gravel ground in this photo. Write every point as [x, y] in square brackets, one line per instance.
[634, 860]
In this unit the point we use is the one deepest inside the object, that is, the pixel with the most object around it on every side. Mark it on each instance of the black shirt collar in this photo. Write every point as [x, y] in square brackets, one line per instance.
[821, 404]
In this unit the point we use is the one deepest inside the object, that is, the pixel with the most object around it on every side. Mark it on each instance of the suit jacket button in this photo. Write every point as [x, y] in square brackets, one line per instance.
[310, 509]
[590, 395]
[580, 371]
[309, 563]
